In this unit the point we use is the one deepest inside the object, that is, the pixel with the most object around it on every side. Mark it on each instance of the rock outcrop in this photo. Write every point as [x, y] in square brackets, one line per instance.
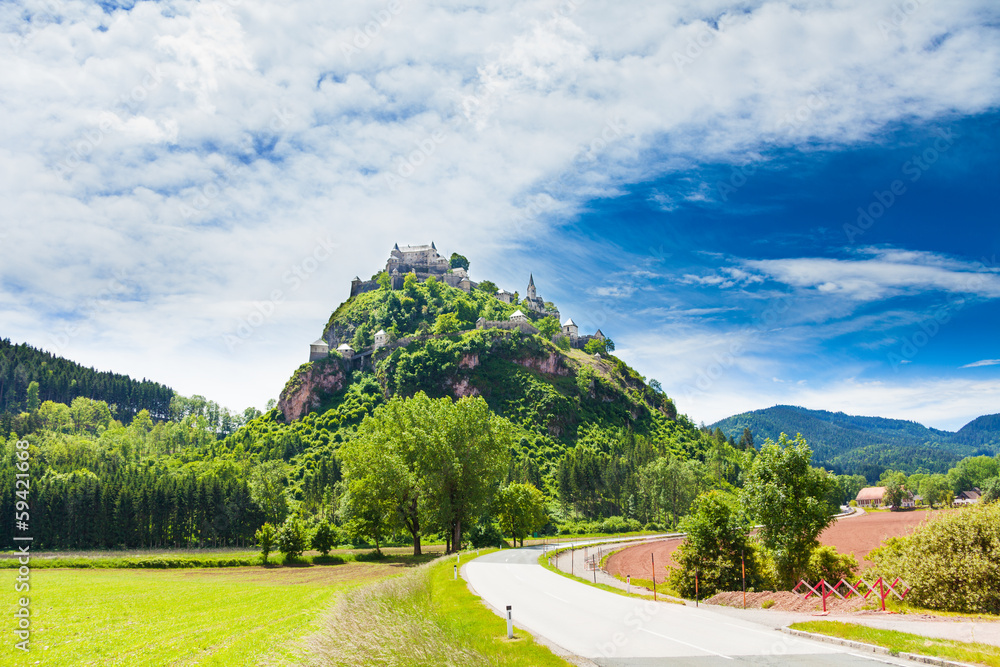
[307, 388]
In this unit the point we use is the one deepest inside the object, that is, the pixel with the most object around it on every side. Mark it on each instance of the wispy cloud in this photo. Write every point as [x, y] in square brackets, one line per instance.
[983, 362]
[883, 274]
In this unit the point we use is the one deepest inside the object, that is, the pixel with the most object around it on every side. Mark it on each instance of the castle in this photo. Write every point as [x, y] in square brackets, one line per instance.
[424, 261]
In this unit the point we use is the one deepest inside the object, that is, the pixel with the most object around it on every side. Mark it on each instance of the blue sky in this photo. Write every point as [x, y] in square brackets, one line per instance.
[190, 186]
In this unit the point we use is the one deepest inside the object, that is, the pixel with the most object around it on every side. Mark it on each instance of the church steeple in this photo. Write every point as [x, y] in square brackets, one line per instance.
[531, 286]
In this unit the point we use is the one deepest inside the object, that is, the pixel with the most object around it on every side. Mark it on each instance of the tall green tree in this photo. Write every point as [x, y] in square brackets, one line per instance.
[520, 509]
[267, 488]
[33, 401]
[788, 498]
[377, 482]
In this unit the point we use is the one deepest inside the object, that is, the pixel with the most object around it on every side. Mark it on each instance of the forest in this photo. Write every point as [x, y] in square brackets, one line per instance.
[61, 380]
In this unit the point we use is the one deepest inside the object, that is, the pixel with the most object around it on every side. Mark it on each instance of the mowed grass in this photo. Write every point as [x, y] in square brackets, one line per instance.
[904, 642]
[233, 616]
[423, 618]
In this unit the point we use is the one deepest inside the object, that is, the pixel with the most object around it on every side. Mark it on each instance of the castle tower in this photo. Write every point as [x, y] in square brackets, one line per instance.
[531, 287]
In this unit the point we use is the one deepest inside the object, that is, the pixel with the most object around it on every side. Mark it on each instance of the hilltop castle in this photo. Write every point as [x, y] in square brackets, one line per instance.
[425, 261]
[422, 260]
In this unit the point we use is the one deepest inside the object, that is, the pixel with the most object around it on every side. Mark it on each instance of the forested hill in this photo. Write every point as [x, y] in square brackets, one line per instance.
[61, 380]
[869, 445]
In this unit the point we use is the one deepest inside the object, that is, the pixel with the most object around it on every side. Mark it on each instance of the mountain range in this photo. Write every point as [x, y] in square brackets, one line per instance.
[849, 444]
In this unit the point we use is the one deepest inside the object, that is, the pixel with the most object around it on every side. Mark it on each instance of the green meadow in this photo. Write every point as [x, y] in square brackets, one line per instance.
[218, 616]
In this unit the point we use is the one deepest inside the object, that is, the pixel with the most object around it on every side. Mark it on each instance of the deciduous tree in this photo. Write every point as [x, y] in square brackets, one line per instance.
[788, 497]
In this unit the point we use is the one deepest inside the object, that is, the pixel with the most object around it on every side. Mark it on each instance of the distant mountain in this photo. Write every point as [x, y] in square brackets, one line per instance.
[62, 380]
[850, 444]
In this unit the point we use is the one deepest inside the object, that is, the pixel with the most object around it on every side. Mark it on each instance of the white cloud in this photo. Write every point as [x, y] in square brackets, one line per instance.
[983, 362]
[202, 149]
[886, 273]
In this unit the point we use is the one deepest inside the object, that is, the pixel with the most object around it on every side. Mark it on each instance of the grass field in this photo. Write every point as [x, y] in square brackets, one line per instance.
[233, 616]
[903, 642]
[423, 618]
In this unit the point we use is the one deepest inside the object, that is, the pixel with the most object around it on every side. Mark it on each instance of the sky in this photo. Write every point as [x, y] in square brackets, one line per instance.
[761, 203]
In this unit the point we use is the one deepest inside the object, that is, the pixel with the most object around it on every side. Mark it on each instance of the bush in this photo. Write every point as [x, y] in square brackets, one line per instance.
[654, 527]
[950, 563]
[767, 604]
[617, 524]
[485, 534]
[291, 539]
[325, 538]
[827, 563]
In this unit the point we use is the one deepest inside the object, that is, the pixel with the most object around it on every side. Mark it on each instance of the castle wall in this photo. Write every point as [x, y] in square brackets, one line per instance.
[363, 286]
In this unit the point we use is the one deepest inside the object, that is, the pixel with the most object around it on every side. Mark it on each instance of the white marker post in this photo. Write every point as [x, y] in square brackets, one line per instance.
[510, 624]
[628, 583]
[456, 571]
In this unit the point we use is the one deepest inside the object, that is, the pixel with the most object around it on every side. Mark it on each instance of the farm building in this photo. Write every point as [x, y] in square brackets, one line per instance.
[871, 496]
[968, 497]
[874, 496]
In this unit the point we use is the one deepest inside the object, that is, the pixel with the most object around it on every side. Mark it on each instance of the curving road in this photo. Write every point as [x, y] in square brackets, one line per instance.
[613, 630]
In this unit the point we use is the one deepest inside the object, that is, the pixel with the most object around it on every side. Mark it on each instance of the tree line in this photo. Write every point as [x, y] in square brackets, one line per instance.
[61, 380]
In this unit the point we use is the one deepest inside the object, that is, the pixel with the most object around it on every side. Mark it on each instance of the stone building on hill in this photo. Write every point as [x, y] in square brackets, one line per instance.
[423, 261]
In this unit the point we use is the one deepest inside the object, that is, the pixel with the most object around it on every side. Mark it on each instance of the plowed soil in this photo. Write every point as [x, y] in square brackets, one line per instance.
[635, 561]
[859, 535]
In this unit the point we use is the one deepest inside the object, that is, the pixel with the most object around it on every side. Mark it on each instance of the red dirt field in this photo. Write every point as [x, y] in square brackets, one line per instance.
[854, 534]
[635, 561]
[859, 535]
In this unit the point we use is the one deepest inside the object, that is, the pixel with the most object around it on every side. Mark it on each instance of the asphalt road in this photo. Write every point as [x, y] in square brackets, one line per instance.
[613, 630]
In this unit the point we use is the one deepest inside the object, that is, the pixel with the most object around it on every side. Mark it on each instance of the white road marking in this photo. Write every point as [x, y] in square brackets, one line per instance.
[556, 597]
[686, 644]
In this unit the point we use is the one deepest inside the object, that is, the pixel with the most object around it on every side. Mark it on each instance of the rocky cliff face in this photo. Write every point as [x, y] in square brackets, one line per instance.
[308, 386]
[551, 364]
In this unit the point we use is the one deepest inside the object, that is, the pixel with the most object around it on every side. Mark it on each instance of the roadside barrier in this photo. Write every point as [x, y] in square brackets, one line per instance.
[880, 587]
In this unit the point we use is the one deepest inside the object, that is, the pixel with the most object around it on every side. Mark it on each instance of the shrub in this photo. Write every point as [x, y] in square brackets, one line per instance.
[485, 534]
[617, 524]
[265, 536]
[950, 563]
[827, 563]
[325, 538]
[767, 604]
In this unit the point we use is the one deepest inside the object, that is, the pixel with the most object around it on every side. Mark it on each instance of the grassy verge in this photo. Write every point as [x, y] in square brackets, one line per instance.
[422, 618]
[234, 616]
[903, 642]
[661, 590]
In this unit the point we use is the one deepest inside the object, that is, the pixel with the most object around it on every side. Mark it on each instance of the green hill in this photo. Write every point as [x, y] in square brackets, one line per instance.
[62, 380]
[558, 397]
[850, 444]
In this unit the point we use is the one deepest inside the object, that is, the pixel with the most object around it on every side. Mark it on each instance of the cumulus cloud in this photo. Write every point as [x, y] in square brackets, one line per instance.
[205, 149]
